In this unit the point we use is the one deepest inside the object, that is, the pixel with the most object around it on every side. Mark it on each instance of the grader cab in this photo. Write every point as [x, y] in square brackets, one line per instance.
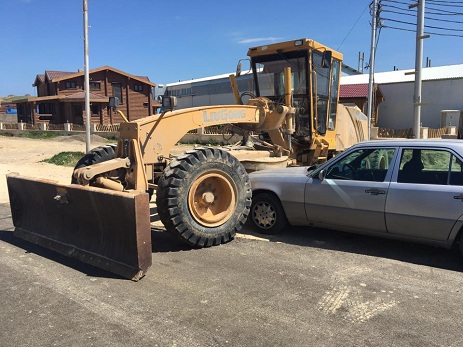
[319, 126]
[203, 196]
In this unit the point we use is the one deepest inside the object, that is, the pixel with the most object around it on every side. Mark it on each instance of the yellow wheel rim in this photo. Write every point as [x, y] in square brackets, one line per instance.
[212, 198]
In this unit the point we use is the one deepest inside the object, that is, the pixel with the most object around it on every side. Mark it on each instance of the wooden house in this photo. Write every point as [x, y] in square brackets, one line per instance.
[61, 97]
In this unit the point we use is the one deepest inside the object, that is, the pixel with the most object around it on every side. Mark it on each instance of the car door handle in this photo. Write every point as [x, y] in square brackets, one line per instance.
[458, 197]
[375, 191]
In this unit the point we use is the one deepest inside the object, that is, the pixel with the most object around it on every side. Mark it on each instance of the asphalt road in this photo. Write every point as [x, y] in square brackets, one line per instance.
[303, 288]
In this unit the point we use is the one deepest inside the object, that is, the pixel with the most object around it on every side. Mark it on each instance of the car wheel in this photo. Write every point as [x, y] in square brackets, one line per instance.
[267, 214]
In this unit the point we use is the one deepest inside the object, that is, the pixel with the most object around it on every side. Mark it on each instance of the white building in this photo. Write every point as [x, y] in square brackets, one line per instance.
[213, 90]
[442, 89]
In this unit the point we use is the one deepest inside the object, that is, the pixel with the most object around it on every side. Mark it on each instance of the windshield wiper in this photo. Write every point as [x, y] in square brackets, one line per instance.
[294, 68]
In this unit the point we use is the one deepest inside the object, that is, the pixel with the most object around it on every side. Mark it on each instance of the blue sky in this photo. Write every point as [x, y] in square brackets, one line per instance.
[170, 41]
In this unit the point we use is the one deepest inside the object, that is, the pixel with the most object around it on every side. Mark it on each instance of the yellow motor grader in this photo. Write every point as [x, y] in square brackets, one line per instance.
[203, 196]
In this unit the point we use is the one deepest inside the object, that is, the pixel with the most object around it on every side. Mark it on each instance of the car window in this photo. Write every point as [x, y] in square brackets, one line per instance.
[456, 172]
[430, 166]
[369, 164]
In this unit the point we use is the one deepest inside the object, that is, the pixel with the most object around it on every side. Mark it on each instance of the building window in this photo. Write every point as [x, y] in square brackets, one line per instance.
[70, 85]
[138, 87]
[95, 110]
[117, 91]
[95, 85]
[181, 92]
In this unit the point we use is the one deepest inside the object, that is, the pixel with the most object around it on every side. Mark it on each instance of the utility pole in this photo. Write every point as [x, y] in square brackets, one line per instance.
[86, 80]
[372, 66]
[361, 61]
[418, 67]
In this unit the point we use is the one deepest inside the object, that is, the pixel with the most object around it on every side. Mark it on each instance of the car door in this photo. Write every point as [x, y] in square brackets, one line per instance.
[352, 192]
[425, 203]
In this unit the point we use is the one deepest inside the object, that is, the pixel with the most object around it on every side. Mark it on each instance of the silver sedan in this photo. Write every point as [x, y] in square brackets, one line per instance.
[404, 189]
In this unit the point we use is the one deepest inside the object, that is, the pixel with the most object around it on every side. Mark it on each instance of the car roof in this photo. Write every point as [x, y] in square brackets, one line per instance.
[453, 143]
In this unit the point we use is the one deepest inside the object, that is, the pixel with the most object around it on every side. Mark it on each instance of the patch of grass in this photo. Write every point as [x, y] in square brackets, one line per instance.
[112, 138]
[65, 158]
[34, 134]
[40, 134]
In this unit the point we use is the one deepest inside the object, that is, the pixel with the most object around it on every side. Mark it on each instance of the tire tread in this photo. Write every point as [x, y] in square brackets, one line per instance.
[170, 189]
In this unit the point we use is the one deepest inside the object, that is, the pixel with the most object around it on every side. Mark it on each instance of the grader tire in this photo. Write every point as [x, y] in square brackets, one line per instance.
[204, 197]
[379, 160]
[96, 155]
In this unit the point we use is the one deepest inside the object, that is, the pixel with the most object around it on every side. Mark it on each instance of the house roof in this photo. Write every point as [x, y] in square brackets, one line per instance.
[52, 75]
[39, 79]
[66, 76]
[353, 90]
[144, 78]
[78, 96]
[428, 74]
[81, 96]
[357, 91]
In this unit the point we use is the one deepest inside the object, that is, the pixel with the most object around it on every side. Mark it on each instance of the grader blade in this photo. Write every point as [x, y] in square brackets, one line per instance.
[107, 229]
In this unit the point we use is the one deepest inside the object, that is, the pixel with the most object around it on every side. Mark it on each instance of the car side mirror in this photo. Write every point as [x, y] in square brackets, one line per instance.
[311, 168]
[321, 175]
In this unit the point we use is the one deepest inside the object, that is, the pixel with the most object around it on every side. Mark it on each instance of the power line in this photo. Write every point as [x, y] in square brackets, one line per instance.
[426, 32]
[442, 3]
[445, 2]
[438, 13]
[445, 11]
[353, 26]
[396, 7]
[398, 2]
[426, 26]
[433, 3]
[426, 17]
[429, 9]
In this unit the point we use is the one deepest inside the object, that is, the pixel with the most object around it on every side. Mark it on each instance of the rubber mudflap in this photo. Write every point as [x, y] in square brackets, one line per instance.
[107, 229]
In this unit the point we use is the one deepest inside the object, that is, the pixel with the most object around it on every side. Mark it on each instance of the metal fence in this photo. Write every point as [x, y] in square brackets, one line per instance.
[212, 130]
[408, 133]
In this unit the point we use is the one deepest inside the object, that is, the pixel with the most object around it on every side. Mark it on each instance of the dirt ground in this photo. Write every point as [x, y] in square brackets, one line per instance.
[25, 156]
